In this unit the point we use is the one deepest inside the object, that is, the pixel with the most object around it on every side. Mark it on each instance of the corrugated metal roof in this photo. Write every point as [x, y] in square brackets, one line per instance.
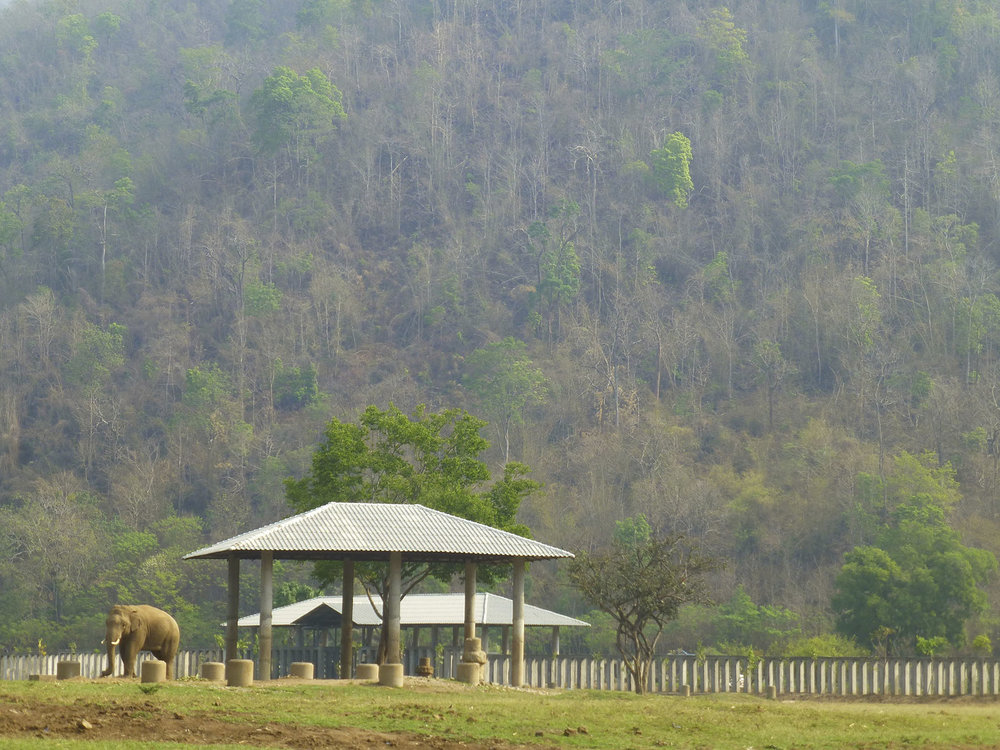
[416, 609]
[370, 531]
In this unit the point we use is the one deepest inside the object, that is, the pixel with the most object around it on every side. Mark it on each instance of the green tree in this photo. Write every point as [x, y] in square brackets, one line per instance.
[641, 581]
[918, 581]
[293, 111]
[672, 169]
[725, 41]
[740, 623]
[558, 265]
[505, 382]
[427, 458]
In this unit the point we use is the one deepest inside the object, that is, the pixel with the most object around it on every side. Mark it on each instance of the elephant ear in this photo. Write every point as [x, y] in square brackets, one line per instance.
[131, 619]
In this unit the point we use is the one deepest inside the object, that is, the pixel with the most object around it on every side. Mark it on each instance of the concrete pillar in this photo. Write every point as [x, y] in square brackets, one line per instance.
[239, 672]
[303, 670]
[213, 670]
[264, 633]
[390, 675]
[347, 622]
[470, 599]
[66, 670]
[367, 672]
[232, 607]
[392, 651]
[153, 670]
[517, 649]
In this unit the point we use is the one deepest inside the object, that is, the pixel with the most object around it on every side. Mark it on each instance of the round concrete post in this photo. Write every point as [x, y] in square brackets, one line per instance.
[367, 672]
[66, 670]
[213, 670]
[390, 675]
[239, 672]
[153, 671]
[302, 669]
[469, 672]
[772, 692]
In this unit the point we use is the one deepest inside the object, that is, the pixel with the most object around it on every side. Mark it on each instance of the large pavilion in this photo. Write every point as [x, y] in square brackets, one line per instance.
[383, 532]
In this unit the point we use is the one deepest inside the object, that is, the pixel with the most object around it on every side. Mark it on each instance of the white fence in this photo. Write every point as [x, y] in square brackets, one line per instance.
[727, 674]
[186, 663]
[711, 674]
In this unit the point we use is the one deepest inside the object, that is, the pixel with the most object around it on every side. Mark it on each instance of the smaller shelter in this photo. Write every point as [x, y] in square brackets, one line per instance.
[416, 612]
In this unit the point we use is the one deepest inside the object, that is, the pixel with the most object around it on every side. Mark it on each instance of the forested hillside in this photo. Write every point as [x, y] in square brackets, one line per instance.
[740, 259]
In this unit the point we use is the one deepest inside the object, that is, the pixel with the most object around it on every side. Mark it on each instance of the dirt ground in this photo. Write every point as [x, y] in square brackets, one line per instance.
[141, 719]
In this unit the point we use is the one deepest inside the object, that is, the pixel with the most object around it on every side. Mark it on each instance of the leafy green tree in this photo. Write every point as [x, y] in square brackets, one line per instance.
[740, 622]
[98, 353]
[725, 40]
[427, 458]
[558, 265]
[504, 381]
[294, 387]
[918, 582]
[292, 111]
[641, 581]
[672, 169]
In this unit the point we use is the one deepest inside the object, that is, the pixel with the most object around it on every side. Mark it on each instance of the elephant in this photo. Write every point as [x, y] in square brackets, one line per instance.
[137, 627]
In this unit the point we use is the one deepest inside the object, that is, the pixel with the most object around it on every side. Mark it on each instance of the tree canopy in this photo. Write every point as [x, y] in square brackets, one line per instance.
[918, 581]
[429, 458]
[642, 581]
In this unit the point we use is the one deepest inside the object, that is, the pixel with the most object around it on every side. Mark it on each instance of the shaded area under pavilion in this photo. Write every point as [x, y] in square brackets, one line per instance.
[418, 613]
[376, 532]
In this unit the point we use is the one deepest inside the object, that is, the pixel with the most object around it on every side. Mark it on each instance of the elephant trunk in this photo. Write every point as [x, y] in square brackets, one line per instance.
[111, 656]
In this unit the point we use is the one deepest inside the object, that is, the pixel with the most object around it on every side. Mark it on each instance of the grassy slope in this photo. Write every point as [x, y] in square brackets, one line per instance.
[593, 720]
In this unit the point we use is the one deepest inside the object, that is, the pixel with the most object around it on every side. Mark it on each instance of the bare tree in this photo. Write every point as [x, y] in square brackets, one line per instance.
[642, 581]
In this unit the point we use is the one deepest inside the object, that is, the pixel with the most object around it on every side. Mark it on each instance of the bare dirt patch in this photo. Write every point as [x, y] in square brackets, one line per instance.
[143, 719]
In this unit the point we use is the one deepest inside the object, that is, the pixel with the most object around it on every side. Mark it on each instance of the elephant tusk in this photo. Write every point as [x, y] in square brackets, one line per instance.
[115, 642]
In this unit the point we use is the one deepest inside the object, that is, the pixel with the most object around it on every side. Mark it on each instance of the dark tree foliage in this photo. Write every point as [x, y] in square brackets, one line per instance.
[427, 458]
[918, 582]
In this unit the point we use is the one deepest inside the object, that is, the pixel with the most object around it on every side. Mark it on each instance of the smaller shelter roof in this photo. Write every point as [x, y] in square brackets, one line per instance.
[370, 531]
[414, 610]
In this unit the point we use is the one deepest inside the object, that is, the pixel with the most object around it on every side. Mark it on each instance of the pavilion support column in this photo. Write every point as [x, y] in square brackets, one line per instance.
[391, 672]
[392, 649]
[232, 608]
[517, 649]
[470, 599]
[472, 667]
[266, 603]
[347, 622]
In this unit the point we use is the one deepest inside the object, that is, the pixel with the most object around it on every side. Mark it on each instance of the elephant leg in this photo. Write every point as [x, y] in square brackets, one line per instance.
[129, 653]
[166, 656]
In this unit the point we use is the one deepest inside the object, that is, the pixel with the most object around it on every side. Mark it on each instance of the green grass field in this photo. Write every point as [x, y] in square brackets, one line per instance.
[444, 714]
